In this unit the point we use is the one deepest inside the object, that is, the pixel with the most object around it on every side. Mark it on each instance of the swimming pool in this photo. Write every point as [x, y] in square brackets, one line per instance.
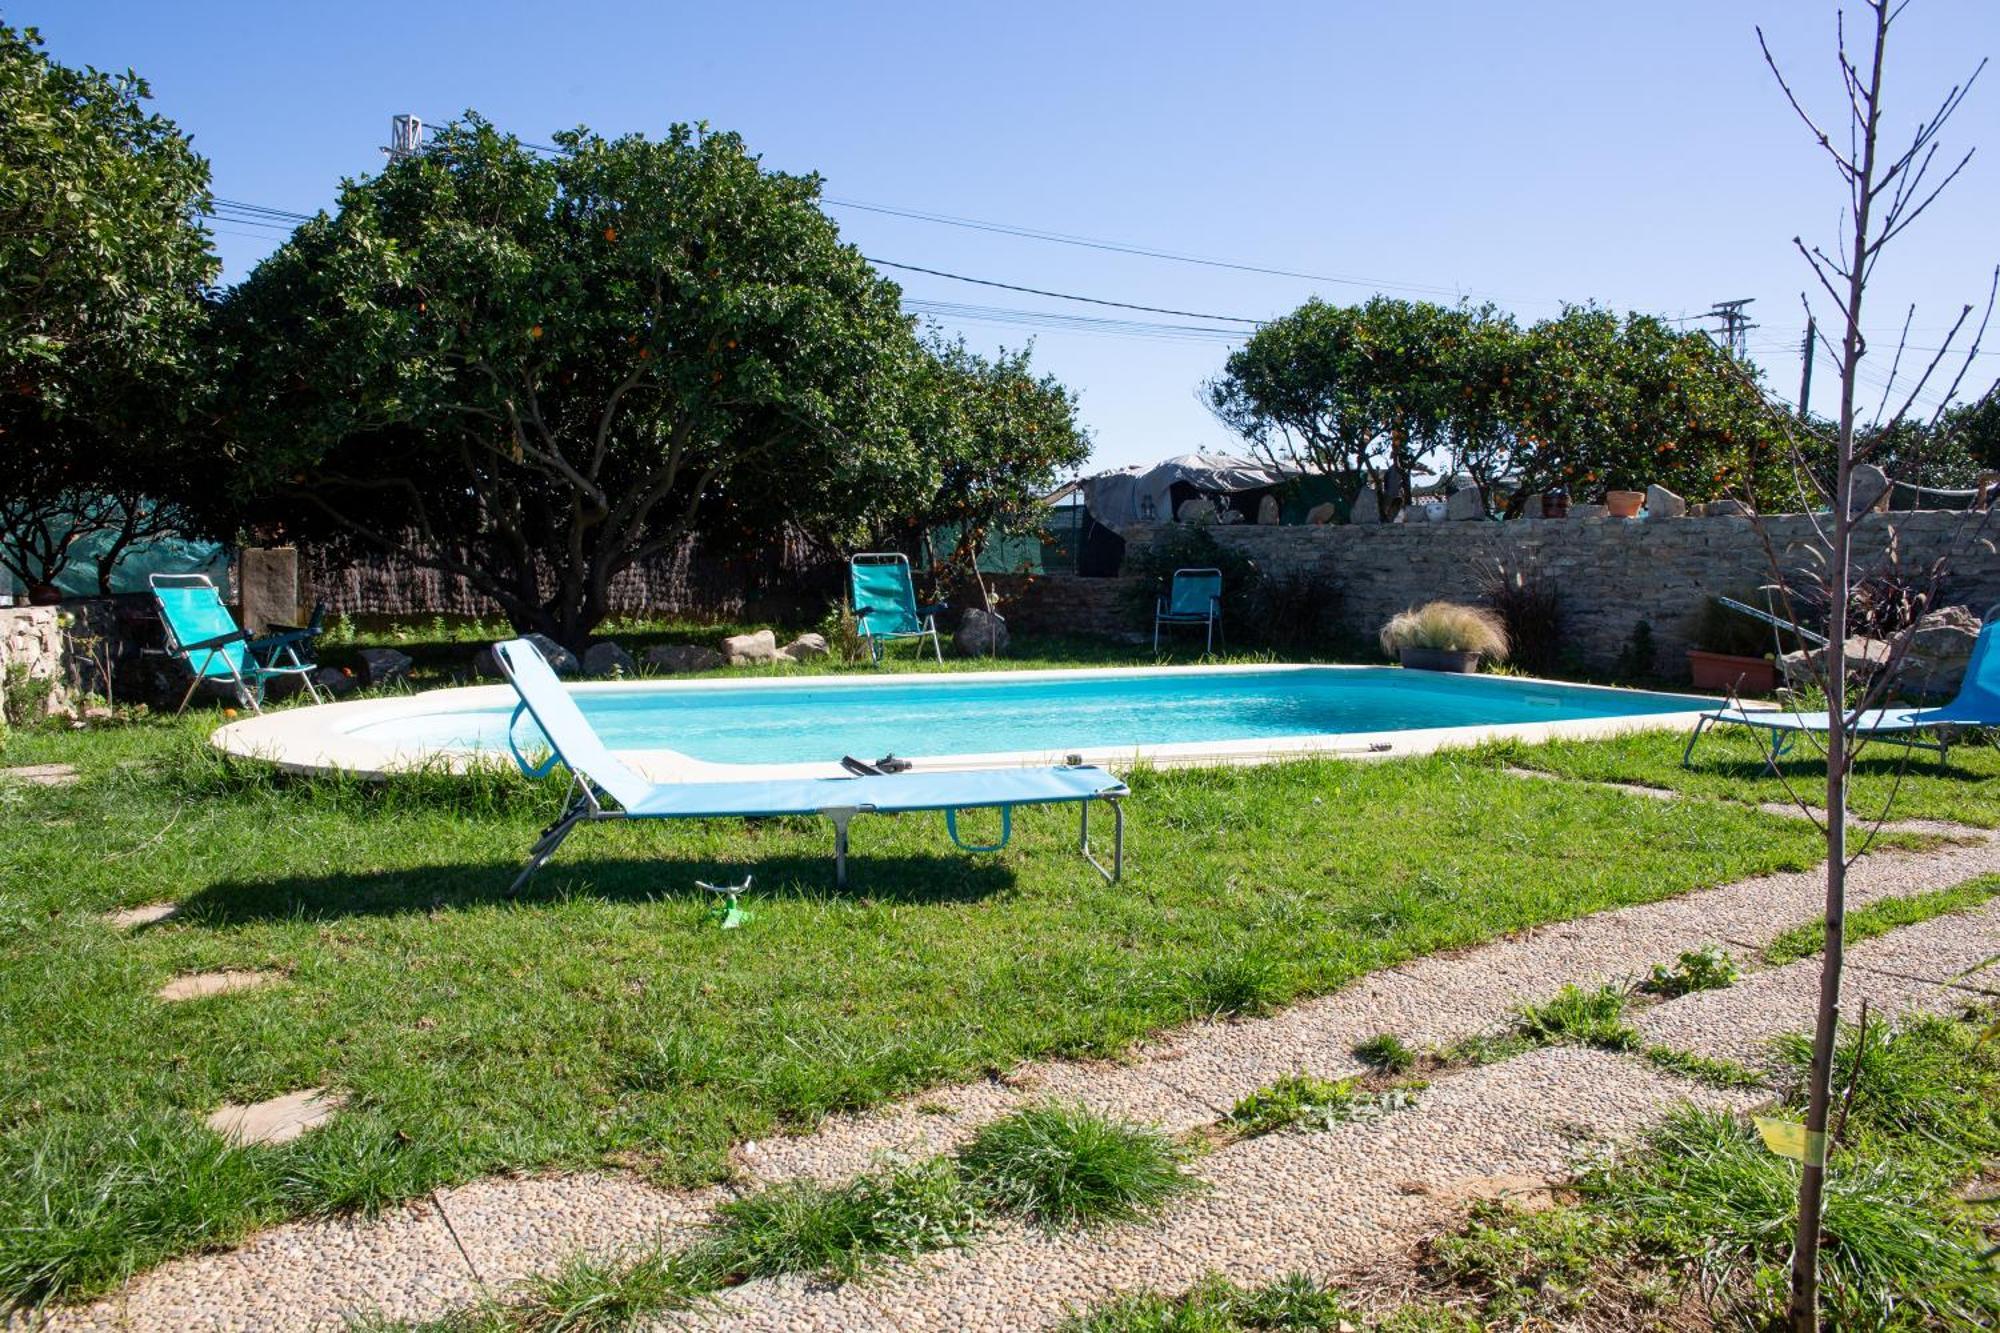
[1115, 716]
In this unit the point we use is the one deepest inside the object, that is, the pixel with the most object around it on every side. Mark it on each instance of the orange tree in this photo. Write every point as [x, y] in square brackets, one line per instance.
[533, 370]
[1599, 402]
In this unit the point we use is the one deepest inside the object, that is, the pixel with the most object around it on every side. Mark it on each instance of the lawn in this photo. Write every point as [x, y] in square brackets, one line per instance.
[602, 1016]
[1729, 765]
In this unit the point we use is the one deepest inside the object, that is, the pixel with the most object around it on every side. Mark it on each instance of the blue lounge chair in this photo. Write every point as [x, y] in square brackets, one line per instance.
[885, 602]
[1194, 597]
[201, 632]
[602, 781]
[1977, 704]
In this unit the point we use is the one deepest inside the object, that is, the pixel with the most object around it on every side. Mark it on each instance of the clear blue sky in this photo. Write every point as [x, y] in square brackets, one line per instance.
[1635, 154]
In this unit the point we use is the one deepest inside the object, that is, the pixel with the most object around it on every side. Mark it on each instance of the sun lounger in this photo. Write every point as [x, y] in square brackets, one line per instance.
[606, 789]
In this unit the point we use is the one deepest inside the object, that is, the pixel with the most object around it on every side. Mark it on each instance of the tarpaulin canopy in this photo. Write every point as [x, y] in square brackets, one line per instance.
[1140, 492]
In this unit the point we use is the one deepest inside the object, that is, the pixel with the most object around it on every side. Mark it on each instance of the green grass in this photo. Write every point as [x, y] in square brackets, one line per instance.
[1578, 1017]
[1315, 1103]
[1882, 916]
[1386, 1052]
[1063, 1166]
[583, 1295]
[835, 1232]
[1728, 765]
[599, 1017]
[1695, 970]
[1216, 1305]
[1705, 1069]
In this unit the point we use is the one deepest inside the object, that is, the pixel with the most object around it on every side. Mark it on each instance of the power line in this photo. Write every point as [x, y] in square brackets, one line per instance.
[1061, 296]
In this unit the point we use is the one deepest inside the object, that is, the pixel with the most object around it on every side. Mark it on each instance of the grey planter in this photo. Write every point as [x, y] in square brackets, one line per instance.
[1440, 659]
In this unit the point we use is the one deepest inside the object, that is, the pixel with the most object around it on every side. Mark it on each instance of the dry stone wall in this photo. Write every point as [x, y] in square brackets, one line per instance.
[1612, 572]
[31, 650]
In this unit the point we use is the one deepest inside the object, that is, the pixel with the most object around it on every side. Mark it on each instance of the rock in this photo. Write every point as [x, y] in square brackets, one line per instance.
[1465, 503]
[1196, 509]
[605, 658]
[1531, 506]
[1663, 503]
[1870, 489]
[805, 648]
[1269, 511]
[1322, 514]
[334, 682]
[560, 659]
[1866, 658]
[1367, 509]
[1588, 511]
[980, 634]
[1228, 516]
[1939, 646]
[384, 666]
[1726, 509]
[679, 657]
[757, 649]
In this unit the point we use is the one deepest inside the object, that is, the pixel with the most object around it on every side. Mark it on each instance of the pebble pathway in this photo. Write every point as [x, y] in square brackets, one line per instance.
[1321, 1203]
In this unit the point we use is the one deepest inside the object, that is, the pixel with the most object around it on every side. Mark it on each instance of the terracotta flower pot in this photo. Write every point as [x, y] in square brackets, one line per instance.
[1726, 671]
[1623, 504]
[1439, 659]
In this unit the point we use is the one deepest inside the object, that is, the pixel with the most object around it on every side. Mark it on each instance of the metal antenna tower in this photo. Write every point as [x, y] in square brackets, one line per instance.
[406, 137]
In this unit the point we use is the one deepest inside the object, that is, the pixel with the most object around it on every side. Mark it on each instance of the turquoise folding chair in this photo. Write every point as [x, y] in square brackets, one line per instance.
[1194, 597]
[885, 603]
[201, 633]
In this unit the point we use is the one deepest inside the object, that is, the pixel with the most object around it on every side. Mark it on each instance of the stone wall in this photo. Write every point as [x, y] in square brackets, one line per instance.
[31, 650]
[1059, 603]
[1612, 572]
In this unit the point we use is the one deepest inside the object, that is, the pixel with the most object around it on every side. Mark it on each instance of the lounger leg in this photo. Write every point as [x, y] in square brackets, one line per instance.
[1701, 724]
[840, 820]
[937, 645]
[1117, 871]
[552, 838]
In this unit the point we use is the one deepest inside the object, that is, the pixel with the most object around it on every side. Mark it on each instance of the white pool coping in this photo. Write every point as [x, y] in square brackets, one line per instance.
[319, 739]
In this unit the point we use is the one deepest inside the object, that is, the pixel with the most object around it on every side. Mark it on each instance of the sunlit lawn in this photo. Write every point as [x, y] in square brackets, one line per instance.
[602, 1016]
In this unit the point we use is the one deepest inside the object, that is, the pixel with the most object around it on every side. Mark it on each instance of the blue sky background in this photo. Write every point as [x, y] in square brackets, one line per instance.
[1529, 153]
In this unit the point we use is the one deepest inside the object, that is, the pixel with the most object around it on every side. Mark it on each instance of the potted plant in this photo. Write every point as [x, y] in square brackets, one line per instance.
[1624, 504]
[1445, 636]
[1731, 652]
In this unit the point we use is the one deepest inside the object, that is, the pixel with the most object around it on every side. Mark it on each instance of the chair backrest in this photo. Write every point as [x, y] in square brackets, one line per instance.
[563, 724]
[1979, 694]
[882, 588]
[192, 611]
[1194, 592]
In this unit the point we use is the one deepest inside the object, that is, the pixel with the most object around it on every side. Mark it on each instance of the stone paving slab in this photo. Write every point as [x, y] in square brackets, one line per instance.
[41, 775]
[130, 917]
[277, 1119]
[1909, 968]
[197, 985]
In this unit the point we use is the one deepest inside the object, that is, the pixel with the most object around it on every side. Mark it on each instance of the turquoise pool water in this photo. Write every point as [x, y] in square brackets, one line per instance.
[939, 715]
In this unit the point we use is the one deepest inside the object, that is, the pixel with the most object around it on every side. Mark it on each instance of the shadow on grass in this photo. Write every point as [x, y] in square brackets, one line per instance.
[943, 879]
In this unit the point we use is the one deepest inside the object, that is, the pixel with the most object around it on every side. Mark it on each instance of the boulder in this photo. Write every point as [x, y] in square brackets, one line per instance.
[605, 658]
[980, 634]
[1322, 514]
[1866, 658]
[756, 649]
[805, 648]
[1464, 503]
[383, 666]
[335, 683]
[1268, 511]
[1938, 648]
[1663, 503]
[1870, 489]
[560, 659]
[1367, 509]
[1588, 511]
[1726, 509]
[1196, 509]
[679, 657]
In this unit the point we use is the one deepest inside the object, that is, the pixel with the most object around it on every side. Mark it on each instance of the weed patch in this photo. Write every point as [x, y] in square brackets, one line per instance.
[1061, 1166]
[1695, 970]
[1578, 1017]
[1882, 916]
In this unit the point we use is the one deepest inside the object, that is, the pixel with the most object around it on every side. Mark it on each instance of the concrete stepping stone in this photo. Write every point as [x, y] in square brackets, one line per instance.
[128, 918]
[195, 985]
[277, 1120]
[42, 775]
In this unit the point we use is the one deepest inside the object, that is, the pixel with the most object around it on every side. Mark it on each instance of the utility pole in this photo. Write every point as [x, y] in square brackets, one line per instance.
[1736, 326]
[1805, 369]
[406, 137]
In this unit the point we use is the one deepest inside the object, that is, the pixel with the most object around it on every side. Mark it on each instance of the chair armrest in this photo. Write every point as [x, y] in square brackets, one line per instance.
[220, 640]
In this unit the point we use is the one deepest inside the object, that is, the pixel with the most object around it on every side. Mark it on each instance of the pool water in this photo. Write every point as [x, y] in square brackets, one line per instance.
[1090, 711]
